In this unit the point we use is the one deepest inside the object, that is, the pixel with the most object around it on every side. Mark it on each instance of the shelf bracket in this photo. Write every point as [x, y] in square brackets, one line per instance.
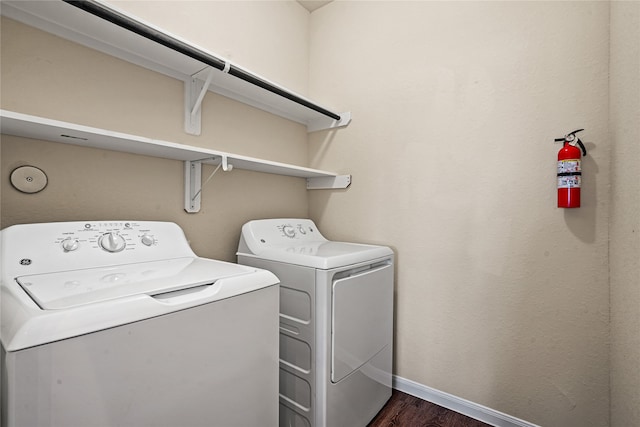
[192, 185]
[192, 122]
[194, 92]
[193, 181]
[329, 182]
[198, 102]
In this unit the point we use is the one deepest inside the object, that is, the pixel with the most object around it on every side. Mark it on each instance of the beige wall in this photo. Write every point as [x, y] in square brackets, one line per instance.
[47, 76]
[624, 244]
[269, 38]
[501, 298]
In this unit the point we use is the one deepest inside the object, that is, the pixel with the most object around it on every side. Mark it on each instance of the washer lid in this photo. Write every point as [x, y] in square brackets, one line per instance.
[68, 289]
[324, 254]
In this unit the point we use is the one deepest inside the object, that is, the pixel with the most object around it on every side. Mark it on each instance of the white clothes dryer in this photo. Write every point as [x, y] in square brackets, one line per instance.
[336, 321]
[119, 323]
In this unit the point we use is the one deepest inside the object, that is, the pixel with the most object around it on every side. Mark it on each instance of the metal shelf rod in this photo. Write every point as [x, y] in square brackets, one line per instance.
[150, 33]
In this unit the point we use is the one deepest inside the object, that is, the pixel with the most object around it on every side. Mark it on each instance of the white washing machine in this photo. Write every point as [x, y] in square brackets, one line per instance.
[119, 323]
[336, 321]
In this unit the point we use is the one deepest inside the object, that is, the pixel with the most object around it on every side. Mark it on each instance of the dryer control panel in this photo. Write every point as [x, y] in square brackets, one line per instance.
[280, 232]
[298, 230]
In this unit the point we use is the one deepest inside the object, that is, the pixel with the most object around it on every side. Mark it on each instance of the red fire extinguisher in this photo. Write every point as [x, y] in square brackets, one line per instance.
[570, 170]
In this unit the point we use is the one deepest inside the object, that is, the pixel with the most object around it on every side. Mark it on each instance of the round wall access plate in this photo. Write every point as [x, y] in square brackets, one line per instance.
[28, 179]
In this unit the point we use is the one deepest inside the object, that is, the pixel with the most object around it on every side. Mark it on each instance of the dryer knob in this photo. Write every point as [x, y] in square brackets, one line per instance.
[112, 242]
[289, 231]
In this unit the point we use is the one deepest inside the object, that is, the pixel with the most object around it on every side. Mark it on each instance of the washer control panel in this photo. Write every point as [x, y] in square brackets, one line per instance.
[59, 246]
[110, 237]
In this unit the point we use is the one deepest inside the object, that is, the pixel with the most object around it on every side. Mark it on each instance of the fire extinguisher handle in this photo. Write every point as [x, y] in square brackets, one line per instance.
[582, 147]
[570, 137]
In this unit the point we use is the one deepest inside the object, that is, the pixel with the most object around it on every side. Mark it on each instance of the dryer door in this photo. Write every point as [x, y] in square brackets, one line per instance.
[362, 317]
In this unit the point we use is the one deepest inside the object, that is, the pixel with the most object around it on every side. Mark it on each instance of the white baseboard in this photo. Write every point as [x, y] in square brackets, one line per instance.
[462, 406]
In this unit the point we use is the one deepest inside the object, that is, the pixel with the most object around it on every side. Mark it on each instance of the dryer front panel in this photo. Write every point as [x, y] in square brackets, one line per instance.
[361, 318]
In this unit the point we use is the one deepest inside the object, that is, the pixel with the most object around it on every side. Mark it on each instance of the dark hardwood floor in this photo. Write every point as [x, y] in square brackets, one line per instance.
[404, 410]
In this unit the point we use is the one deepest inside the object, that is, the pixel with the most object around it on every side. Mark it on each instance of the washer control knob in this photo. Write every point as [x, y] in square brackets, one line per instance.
[289, 231]
[112, 242]
[147, 239]
[301, 230]
[70, 244]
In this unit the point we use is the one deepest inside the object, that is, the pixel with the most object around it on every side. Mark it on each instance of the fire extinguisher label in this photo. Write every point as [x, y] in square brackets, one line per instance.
[571, 181]
[569, 165]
